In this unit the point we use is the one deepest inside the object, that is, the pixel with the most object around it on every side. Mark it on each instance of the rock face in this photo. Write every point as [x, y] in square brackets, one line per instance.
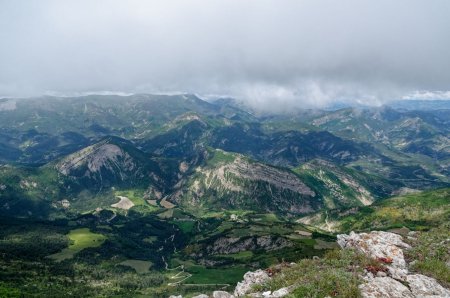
[95, 157]
[227, 245]
[240, 183]
[280, 179]
[250, 279]
[389, 248]
[115, 162]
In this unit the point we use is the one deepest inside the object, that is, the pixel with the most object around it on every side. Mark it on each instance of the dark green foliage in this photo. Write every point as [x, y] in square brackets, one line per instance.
[31, 241]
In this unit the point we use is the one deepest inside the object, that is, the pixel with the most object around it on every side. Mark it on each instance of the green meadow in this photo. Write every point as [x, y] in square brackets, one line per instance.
[138, 265]
[79, 240]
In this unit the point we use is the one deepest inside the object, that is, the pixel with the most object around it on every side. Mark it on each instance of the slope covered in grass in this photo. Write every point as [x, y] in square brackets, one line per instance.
[416, 211]
[430, 253]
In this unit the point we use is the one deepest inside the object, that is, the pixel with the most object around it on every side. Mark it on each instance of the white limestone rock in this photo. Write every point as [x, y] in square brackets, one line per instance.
[282, 292]
[222, 294]
[275, 294]
[378, 244]
[384, 287]
[424, 286]
[250, 279]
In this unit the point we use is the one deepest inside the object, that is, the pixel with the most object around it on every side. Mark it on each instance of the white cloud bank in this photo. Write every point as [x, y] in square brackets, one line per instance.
[284, 53]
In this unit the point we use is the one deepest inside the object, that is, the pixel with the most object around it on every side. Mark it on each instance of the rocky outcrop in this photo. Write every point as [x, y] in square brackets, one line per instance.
[396, 282]
[381, 246]
[95, 157]
[222, 294]
[385, 287]
[424, 286]
[250, 279]
[275, 294]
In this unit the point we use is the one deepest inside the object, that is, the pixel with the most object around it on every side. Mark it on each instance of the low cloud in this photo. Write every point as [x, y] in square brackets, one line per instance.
[268, 53]
[424, 95]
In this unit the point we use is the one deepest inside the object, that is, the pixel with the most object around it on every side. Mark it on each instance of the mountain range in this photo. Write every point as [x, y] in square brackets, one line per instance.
[211, 187]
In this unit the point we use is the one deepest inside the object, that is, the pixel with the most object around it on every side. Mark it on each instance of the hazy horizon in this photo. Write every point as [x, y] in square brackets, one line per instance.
[265, 53]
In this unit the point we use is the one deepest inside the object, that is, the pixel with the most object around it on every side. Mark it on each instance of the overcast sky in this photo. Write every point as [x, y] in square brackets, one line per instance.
[270, 53]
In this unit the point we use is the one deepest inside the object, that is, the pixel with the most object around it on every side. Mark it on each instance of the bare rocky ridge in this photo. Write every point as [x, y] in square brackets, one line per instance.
[95, 157]
[244, 169]
[244, 184]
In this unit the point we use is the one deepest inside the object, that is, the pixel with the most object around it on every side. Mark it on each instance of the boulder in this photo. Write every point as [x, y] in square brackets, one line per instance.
[250, 279]
[222, 294]
[201, 296]
[384, 287]
[281, 292]
[275, 294]
[424, 286]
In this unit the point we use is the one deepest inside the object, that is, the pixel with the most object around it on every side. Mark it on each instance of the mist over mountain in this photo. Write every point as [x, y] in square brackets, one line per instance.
[270, 55]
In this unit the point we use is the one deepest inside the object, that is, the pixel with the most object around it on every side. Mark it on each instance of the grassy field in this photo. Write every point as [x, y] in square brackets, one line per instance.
[138, 265]
[80, 239]
[239, 256]
[203, 275]
[186, 226]
[430, 253]
[220, 156]
[415, 211]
